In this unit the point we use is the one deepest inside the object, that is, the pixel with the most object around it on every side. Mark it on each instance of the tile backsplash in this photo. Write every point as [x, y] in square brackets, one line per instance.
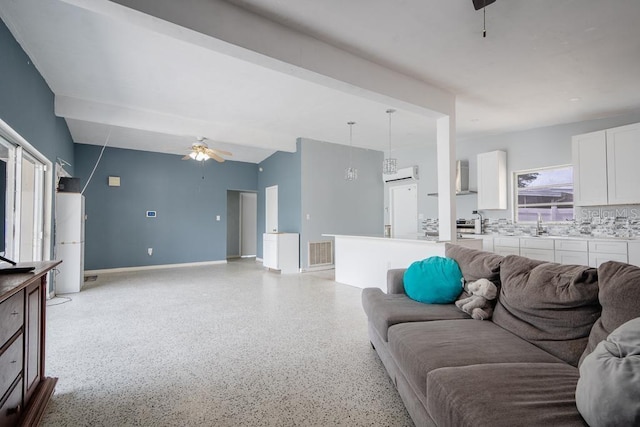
[593, 221]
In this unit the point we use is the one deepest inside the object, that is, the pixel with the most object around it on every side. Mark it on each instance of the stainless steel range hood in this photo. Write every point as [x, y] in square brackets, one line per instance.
[462, 179]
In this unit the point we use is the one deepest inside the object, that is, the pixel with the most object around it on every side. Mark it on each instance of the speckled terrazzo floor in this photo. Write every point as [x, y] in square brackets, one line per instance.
[223, 345]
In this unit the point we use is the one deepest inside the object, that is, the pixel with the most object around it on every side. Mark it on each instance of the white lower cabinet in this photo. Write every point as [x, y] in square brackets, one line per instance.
[571, 252]
[634, 252]
[603, 251]
[281, 251]
[506, 246]
[568, 250]
[537, 248]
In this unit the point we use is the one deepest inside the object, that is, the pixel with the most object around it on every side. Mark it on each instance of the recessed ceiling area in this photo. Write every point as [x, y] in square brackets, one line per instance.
[542, 63]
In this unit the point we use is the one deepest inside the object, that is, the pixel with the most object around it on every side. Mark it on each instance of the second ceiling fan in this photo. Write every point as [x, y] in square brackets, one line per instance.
[200, 151]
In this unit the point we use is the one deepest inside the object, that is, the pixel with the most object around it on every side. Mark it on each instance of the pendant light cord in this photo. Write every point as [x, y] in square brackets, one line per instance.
[389, 112]
[351, 142]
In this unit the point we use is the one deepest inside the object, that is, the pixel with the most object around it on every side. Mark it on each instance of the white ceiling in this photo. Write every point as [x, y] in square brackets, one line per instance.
[543, 62]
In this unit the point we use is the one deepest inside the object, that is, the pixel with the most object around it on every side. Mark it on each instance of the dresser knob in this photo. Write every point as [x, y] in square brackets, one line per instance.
[15, 410]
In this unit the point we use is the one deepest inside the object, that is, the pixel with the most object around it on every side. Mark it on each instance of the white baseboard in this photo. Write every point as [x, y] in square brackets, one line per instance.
[259, 259]
[152, 267]
[319, 268]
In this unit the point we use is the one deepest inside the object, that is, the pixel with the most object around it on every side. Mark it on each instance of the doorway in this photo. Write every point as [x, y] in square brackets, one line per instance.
[242, 224]
[403, 212]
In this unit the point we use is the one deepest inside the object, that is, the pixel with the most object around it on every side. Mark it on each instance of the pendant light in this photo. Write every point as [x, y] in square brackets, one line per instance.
[350, 173]
[390, 165]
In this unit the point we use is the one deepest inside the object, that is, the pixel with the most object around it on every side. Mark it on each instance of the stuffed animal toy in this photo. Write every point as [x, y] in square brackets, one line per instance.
[476, 301]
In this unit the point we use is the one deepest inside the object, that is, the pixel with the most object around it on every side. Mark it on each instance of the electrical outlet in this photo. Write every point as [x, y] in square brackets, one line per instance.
[217, 217]
[150, 251]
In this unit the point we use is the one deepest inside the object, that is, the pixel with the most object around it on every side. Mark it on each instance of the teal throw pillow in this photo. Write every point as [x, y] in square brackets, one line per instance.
[435, 280]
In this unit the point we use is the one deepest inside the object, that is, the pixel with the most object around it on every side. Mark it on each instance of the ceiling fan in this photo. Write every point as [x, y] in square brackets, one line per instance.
[200, 151]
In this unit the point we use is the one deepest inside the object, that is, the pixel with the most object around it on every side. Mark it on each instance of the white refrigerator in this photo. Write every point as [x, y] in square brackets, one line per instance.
[69, 242]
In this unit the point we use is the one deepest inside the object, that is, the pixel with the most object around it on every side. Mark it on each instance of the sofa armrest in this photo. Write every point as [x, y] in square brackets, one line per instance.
[395, 284]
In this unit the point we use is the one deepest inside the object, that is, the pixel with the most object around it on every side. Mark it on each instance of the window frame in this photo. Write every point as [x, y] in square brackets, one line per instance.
[514, 182]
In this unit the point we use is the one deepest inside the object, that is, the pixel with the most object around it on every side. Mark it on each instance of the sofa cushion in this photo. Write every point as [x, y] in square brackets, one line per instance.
[475, 264]
[619, 296]
[421, 347]
[435, 280]
[509, 394]
[385, 310]
[550, 305]
[608, 392]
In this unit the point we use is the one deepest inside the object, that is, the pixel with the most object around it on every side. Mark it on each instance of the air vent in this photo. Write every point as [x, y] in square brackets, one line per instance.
[320, 253]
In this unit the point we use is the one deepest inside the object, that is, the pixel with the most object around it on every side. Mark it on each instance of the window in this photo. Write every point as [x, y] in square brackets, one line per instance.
[25, 199]
[546, 192]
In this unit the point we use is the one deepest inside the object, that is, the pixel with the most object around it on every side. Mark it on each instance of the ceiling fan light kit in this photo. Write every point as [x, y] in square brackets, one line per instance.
[201, 152]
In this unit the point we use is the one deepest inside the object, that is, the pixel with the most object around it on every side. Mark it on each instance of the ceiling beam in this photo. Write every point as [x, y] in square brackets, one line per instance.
[228, 29]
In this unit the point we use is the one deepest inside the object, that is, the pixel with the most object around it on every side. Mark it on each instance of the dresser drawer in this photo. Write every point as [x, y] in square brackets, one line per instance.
[507, 242]
[536, 243]
[11, 316]
[12, 408]
[572, 257]
[538, 254]
[11, 364]
[571, 245]
[606, 247]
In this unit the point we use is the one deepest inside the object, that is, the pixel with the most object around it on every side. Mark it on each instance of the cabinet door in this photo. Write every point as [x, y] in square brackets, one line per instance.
[538, 254]
[571, 257]
[505, 250]
[634, 253]
[623, 173]
[595, 259]
[33, 336]
[492, 180]
[270, 251]
[589, 154]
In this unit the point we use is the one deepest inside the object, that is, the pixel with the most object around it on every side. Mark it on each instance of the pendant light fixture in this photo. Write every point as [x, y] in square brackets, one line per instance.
[350, 173]
[390, 165]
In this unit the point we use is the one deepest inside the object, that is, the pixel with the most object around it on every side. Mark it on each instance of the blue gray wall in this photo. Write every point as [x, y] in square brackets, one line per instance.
[281, 169]
[187, 196]
[26, 102]
[331, 205]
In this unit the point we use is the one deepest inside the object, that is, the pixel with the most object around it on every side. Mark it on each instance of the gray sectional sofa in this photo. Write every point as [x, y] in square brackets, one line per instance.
[520, 367]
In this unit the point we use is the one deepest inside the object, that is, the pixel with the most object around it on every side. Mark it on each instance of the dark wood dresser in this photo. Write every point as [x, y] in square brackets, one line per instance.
[24, 390]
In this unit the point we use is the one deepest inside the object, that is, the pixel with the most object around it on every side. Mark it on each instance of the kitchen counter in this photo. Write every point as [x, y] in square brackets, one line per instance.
[546, 236]
[363, 260]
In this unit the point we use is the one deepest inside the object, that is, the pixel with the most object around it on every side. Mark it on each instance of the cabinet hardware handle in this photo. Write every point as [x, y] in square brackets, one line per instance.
[15, 313]
[15, 410]
[13, 361]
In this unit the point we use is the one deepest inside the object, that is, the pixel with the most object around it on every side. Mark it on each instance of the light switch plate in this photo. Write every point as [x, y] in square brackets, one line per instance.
[114, 181]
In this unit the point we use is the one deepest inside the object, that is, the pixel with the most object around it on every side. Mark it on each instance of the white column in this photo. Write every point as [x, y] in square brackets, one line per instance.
[446, 157]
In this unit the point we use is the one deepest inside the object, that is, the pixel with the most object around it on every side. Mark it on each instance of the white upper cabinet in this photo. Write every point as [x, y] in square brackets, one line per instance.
[589, 155]
[605, 167]
[623, 168]
[492, 180]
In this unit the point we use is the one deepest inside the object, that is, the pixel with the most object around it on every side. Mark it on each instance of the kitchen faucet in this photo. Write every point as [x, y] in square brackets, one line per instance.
[539, 229]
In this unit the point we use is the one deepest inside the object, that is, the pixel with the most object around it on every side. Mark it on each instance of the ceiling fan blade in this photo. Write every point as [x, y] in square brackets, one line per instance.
[186, 157]
[215, 157]
[221, 152]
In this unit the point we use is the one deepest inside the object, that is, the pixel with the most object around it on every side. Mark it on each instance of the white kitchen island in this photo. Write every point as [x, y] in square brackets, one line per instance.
[363, 261]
